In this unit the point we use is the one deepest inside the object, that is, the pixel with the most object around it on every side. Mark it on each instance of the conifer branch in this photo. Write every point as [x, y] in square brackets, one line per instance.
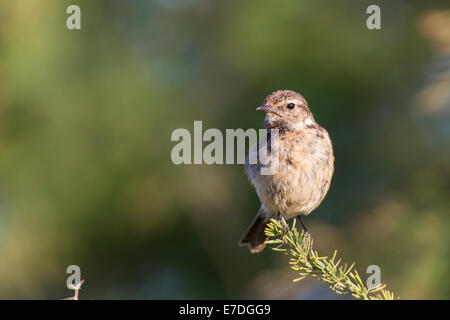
[341, 278]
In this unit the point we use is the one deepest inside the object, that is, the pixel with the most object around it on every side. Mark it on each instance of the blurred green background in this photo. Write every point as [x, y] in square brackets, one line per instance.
[86, 116]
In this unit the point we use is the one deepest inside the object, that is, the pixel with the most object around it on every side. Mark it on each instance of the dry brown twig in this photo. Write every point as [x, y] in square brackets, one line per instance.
[76, 288]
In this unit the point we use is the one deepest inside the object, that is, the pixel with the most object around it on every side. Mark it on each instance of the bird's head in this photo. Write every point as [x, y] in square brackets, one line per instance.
[286, 110]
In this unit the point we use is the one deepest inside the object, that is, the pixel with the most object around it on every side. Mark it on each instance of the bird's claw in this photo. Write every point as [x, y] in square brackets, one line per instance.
[283, 223]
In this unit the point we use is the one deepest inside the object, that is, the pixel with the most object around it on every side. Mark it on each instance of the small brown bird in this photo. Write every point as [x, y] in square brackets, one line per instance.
[305, 165]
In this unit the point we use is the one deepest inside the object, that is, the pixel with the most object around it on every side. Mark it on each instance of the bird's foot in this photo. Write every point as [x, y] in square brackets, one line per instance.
[311, 242]
[283, 223]
[307, 234]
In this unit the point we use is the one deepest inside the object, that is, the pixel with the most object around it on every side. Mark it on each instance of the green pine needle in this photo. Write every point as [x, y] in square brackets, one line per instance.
[341, 278]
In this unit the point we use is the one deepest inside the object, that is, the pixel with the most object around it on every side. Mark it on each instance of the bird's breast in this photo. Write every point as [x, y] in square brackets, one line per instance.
[305, 168]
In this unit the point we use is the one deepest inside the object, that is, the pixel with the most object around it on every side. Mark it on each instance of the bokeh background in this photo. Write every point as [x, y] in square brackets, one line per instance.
[86, 117]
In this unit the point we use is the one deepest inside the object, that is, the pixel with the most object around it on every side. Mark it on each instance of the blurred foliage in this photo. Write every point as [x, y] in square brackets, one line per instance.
[85, 124]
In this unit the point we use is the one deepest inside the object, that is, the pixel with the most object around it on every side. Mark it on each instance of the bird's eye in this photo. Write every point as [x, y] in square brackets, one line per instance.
[290, 106]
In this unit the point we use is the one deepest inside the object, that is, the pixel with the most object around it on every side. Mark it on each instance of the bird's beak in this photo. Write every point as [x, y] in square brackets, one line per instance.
[267, 109]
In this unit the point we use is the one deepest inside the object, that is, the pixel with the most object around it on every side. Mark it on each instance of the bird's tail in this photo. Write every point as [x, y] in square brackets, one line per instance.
[255, 237]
